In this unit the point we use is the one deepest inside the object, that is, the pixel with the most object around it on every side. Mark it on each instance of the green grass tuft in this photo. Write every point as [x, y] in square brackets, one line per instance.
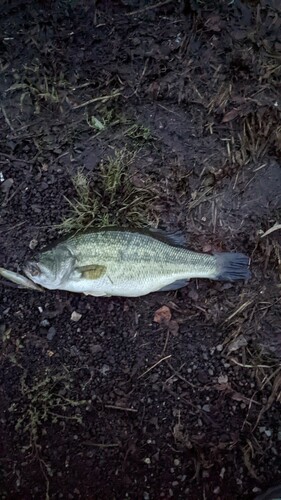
[112, 200]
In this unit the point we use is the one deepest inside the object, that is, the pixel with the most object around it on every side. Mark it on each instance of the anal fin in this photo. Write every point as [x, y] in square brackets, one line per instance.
[174, 286]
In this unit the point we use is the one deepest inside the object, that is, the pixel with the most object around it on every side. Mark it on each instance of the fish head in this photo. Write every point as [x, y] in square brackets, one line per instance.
[51, 268]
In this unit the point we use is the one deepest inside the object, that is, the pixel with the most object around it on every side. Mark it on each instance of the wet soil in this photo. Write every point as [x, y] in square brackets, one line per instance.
[107, 403]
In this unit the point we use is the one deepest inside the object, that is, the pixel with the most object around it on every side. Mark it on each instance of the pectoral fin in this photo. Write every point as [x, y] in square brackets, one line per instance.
[92, 272]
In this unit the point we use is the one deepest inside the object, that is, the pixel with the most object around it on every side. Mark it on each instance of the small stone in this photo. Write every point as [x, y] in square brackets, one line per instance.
[33, 244]
[206, 408]
[147, 461]
[222, 472]
[176, 462]
[193, 295]
[146, 496]
[95, 348]
[51, 333]
[223, 379]
[268, 432]
[44, 323]
[219, 347]
[6, 186]
[104, 369]
[75, 316]
[217, 490]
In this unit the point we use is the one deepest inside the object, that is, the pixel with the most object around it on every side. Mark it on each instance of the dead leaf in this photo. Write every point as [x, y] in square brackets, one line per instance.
[228, 117]
[162, 315]
[173, 327]
[213, 23]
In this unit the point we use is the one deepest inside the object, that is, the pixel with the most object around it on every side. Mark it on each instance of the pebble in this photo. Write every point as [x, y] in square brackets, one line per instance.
[33, 244]
[176, 462]
[222, 472]
[206, 408]
[75, 316]
[44, 323]
[223, 379]
[147, 461]
[6, 186]
[104, 369]
[51, 333]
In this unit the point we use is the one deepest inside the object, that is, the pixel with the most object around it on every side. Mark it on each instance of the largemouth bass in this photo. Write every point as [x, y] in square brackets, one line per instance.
[129, 263]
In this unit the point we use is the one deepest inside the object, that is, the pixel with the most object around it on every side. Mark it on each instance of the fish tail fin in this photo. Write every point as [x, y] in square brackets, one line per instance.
[232, 267]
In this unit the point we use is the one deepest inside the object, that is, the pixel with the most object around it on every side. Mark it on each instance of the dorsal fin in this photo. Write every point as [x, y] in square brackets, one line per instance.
[175, 238]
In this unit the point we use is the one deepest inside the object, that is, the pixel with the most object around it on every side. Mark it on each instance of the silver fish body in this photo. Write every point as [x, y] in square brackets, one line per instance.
[129, 263]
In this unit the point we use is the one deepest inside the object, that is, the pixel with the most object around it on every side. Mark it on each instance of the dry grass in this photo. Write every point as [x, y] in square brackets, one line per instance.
[261, 132]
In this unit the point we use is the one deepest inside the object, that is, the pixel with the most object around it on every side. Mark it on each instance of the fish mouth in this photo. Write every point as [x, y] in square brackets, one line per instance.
[32, 269]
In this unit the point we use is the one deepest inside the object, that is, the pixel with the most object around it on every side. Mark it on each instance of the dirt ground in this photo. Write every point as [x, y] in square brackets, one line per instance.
[116, 405]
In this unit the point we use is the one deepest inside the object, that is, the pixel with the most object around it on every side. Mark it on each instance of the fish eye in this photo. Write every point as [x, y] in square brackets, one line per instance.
[34, 269]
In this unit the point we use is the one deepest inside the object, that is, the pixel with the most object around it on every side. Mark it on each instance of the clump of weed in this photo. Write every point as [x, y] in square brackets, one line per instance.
[43, 400]
[138, 133]
[108, 117]
[112, 199]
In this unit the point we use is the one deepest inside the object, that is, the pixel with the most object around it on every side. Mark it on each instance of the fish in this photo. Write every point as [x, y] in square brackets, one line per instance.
[129, 263]
[20, 280]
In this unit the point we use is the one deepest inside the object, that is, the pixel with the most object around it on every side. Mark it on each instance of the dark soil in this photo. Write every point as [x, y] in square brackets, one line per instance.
[114, 405]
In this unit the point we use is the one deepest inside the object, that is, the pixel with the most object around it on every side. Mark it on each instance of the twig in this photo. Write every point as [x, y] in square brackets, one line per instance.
[101, 445]
[13, 158]
[113, 407]
[149, 7]
[96, 99]
[248, 366]
[177, 374]
[276, 227]
[153, 366]
[200, 199]
[166, 342]
[7, 119]
[239, 310]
